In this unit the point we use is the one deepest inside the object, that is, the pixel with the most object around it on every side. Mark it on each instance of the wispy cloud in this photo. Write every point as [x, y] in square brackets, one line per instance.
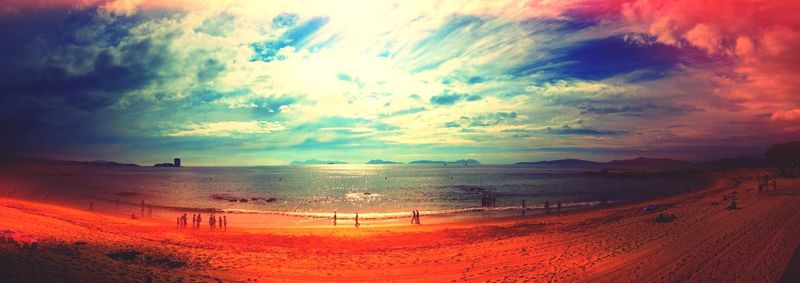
[227, 129]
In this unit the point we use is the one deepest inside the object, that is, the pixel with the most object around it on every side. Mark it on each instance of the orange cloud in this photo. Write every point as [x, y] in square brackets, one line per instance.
[756, 39]
[784, 116]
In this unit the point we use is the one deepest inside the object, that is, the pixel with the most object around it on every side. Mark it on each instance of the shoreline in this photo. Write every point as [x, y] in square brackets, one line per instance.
[299, 219]
[620, 242]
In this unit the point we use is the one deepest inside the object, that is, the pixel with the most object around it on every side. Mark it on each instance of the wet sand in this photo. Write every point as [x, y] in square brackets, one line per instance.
[706, 242]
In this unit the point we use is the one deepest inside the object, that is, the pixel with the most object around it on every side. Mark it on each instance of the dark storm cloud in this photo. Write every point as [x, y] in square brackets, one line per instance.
[62, 68]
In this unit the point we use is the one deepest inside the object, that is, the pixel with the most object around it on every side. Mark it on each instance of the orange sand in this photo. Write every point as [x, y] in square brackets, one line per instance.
[705, 243]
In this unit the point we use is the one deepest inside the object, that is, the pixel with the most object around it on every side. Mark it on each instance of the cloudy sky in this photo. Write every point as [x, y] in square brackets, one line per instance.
[268, 82]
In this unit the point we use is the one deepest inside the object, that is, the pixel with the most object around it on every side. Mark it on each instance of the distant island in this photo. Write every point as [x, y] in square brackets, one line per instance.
[46, 161]
[462, 161]
[316, 162]
[378, 161]
[175, 163]
[744, 161]
[559, 162]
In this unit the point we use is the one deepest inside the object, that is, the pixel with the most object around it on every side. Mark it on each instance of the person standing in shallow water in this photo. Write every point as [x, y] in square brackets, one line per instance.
[357, 224]
[225, 222]
[334, 218]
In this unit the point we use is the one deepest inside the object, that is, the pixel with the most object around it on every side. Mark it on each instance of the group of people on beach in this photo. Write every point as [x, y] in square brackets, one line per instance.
[219, 222]
[765, 182]
[547, 207]
[415, 217]
[488, 200]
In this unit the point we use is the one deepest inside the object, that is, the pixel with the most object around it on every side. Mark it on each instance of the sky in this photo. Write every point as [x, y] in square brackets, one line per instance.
[269, 82]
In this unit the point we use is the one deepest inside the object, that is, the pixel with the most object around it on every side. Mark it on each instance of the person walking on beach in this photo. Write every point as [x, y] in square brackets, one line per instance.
[219, 224]
[417, 221]
[177, 221]
[211, 222]
[357, 224]
[334, 218]
[194, 220]
[547, 207]
[225, 223]
[413, 216]
[199, 220]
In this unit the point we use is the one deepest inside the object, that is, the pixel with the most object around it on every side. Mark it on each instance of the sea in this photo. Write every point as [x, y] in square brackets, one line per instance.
[316, 191]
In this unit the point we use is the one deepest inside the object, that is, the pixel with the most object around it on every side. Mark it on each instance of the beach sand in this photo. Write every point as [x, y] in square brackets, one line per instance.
[706, 242]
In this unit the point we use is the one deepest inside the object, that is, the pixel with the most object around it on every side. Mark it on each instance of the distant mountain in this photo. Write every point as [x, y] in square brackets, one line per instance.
[316, 162]
[462, 161]
[736, 162]
[645, 161]
[560, 162]
[378, 161]
[46, 161]
[784, 154]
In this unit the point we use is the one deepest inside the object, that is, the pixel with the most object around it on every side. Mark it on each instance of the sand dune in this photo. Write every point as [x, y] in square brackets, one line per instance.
[705, 242]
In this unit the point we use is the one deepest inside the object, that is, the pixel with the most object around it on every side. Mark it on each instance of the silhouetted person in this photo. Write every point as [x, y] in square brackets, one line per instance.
[417, 222]
[558, 207]
[219, 224]
[177, 221]
[334, 218]
[523, 207]
[357, 224]
[194, 220]
[225, 222]
[413, 216]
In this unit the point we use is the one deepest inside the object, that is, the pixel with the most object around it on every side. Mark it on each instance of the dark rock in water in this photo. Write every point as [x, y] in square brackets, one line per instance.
[220, 197]
[230, 198]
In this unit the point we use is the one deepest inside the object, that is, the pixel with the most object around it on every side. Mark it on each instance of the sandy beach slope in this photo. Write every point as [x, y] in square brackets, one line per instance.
[706, 242]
